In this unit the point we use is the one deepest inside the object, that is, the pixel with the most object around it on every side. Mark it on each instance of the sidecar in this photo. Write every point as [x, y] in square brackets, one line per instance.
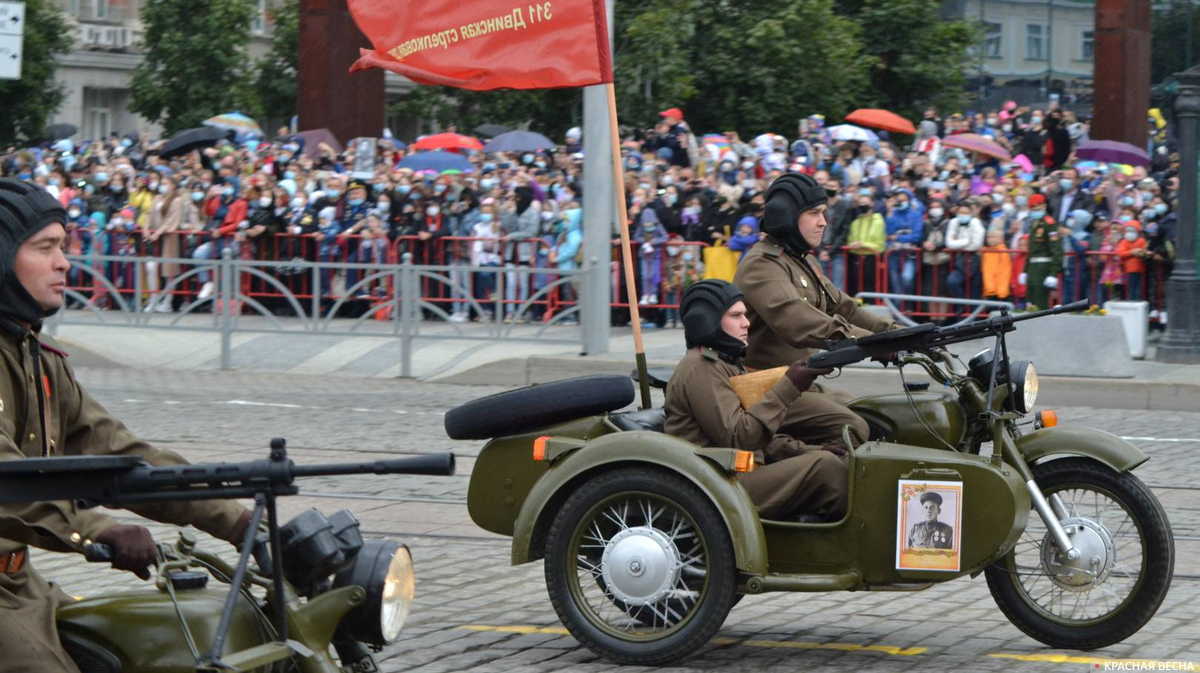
[649, 540]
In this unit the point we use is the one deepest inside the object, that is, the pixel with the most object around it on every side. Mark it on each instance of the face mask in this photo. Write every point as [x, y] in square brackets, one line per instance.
[1125, 218]
[485, 217]
[672, 250]
[289, 175]
[197, 196]
[1151, 229]
[73, 213]
[405, 189]
[126, 142]
[936, 213]
[1022, 201]
[667, 180]
[206, 185]
[527, 159]
[1008, 208]
[903, 205]
[1007, 128]
[432, 211]
[439, 189]
[228, 191]
[963, 219]
[152, 186]
[540, 164]
[691, 210]
[118, 187]
[644, 185]
[670, 199]
[1147, 196]
[101, 177]
[354, 203]
[943, 175]
[1160, 208]
[688, 256]
[749, 184]
[383, 206]
[1037, 214]
[53, 182]
[865, 192]
[997, 198]
[378, 186]
[991, 122]
[298, 203]
[264, 202]
[1131, 236]
[333, 193]
[868, 158]
[1035, 120]
[163, 189]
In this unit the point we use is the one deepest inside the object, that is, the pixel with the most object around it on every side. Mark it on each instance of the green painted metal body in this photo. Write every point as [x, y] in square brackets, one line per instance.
[941, 411]
[1059, 442]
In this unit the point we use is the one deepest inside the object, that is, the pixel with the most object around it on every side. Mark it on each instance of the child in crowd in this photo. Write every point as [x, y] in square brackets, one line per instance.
[1111, 277]
[997, 267]
[1132, 251]
[651, 234]
[1018, 270]
[745, 237]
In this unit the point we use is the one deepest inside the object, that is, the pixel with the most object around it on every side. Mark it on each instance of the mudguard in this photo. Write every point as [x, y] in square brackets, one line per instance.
[652, 449]
[1059, 442]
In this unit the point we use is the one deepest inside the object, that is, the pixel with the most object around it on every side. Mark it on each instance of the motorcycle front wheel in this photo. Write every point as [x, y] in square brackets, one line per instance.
[1122, 573]
[640, 567]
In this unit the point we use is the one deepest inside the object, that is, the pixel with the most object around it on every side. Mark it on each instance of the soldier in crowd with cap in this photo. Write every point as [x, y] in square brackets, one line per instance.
[794, 309]
[1045, 253]
[45, 412]
[792, 479]
[931, 533]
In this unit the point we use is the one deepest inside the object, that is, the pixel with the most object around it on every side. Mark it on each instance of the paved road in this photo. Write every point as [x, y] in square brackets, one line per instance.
[474, 612]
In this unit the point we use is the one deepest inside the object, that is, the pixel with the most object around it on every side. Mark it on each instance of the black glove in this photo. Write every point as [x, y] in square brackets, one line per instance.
[803, 376]
[133, 548]
[237, 534]
[887, 359]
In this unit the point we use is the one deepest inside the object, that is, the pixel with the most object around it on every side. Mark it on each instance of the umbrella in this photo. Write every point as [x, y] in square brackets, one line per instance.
[447, 141]
[852, 132]
[235, 121]
[60, 131]
[519, 141]
[882, 120]
[973, 142]
[192, 139]
[491, 130]
[1113, 152]
[437, 161]
[1024, 162]
[313, 139]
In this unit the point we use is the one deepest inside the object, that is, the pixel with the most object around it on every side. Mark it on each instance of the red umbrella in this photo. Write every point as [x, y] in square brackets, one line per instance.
[447, 141]
[973, 142]
[882, 120]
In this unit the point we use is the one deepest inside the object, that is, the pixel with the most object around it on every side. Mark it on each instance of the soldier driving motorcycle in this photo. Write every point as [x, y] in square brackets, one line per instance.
[44, 411]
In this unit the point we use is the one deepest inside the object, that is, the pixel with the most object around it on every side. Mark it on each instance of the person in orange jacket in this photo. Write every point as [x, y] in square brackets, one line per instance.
[997, 267]
[1132, 251]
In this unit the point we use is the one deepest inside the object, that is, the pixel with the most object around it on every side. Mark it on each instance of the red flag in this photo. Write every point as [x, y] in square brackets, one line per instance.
[487, 44]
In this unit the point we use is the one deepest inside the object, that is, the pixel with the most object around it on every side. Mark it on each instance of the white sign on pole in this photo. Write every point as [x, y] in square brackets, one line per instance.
[12, 18]
[10, 56]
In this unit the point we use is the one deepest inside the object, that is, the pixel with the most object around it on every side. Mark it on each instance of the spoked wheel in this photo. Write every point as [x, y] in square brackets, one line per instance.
[1127, 556]
[640, 567]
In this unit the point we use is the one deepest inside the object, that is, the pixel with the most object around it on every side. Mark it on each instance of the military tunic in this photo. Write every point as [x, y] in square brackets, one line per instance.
[1045, 259]
[70, 423]
[793, 310]
[931, 535]
[793, 477]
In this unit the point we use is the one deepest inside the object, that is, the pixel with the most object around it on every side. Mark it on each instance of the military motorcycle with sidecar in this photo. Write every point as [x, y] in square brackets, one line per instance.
[648, 540]
[316, 586]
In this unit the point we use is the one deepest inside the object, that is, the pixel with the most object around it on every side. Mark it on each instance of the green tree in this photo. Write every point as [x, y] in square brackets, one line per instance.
[276, 81]
[195, 62]
[1175, 41]
[29, 101]
[920, 58]
[653, 56]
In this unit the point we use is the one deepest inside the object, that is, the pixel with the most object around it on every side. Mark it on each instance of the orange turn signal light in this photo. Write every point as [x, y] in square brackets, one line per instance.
[743, 461]
[539, 448]
[1048, 418]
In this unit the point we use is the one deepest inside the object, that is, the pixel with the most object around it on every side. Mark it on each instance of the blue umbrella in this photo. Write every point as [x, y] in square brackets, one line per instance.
[518, 141]
[437, 161]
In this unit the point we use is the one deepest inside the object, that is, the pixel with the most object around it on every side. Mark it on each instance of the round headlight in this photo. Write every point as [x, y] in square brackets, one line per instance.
[385, 570]
[1025, 385]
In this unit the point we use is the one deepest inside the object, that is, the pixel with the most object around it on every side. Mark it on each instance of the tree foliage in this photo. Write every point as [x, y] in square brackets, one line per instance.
[1169, 45]
[195, 63]
[275, 83]
[28, 102]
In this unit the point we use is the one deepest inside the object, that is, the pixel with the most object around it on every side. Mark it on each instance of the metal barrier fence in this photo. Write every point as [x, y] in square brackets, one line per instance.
[377, 299]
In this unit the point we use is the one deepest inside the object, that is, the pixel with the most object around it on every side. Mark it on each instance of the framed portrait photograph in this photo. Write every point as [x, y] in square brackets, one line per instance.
[928, 525]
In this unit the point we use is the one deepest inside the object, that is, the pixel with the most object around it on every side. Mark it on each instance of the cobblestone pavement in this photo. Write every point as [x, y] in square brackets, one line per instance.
[475, 612]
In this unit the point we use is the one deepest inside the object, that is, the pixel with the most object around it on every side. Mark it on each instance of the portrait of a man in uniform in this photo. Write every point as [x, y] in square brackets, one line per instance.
[931, 533]
[928, 525]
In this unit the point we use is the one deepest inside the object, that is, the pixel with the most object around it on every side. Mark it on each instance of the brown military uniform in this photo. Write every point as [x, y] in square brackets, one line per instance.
[792, 477]
[71, 423]
[793, 310]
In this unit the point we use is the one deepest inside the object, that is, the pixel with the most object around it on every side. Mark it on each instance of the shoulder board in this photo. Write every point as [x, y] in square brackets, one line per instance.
[771, 248]
[49, 344]
[710, 354]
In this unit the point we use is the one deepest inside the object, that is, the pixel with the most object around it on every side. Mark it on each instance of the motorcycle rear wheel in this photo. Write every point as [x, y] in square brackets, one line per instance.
[1112, 517]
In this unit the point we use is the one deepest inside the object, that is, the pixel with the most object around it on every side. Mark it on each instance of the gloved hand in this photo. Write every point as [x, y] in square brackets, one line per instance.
[887, 359]
[238, 533]
[1022, 279]
[1051, 282]
[803, 376]
[133, 548]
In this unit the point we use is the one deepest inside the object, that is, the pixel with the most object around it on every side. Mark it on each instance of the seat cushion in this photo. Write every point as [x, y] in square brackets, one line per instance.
[651, 420]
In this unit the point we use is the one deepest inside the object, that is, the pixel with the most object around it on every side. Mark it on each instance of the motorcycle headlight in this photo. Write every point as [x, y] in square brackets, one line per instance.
[385, 570]
[1025, 385]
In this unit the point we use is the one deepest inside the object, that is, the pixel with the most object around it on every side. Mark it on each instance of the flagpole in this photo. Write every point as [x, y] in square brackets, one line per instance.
[639, 348]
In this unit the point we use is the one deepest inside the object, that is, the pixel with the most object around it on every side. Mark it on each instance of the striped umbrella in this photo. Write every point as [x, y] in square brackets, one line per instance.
[973, 142]
[235, 121]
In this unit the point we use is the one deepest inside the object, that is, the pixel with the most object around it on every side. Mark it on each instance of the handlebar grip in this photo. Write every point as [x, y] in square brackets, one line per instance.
[98, 552]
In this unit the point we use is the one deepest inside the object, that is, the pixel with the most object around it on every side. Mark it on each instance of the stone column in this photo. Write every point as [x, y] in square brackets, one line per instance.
[328, 96]
[1122, 71]
[1181, 343]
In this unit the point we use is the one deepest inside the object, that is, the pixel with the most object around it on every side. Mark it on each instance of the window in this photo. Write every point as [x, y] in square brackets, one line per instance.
[1087, 45]
[101, 10]
[260, 19]
[1035, 42]
[992, 39]
[98, 107]
[73, 7]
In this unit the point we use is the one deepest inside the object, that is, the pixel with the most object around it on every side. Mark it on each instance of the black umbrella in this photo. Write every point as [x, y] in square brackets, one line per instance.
[192, 139]
[518, 141]
[60, 131]
[491, 130]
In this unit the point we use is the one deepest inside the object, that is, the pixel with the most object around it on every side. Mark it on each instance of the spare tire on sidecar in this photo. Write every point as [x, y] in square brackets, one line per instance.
[541, 405]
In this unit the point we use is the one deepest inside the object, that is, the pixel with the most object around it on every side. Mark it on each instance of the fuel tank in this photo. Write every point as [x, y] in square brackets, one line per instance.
[892, 419]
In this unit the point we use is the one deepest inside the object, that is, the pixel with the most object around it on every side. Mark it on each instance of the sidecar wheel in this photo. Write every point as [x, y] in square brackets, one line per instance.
[1121, 577]
[640, 567]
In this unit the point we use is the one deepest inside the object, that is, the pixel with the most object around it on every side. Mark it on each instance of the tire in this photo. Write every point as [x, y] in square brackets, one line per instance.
[1138, 509]
[693, 604]
[518, 411]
